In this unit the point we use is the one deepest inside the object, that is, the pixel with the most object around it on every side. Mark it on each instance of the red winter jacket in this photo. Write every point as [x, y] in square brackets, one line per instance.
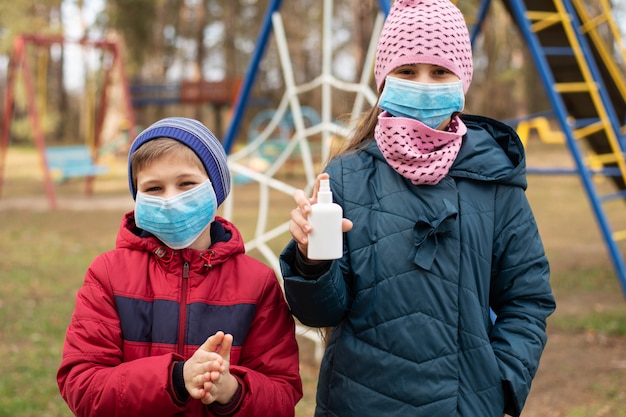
[144, 306]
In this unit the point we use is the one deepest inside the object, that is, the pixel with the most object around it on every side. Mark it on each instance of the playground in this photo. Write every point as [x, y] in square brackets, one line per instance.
[60, 206]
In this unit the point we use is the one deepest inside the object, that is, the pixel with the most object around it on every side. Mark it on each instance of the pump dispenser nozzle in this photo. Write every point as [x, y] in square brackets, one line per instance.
[324, 195]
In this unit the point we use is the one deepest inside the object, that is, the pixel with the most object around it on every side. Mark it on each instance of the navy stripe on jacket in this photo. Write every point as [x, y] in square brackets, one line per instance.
[157, 321]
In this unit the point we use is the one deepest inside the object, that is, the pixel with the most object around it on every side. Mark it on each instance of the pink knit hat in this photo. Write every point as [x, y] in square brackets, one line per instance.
[426, 32]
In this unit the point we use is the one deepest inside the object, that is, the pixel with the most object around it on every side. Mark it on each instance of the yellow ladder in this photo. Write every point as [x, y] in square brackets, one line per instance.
[586, 89]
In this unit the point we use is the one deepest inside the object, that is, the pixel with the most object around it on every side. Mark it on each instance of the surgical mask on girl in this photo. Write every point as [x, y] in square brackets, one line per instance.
[178, 221]
[429, 103]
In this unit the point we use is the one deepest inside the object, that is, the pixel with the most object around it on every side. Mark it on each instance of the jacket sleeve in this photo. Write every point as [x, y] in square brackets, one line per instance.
[325, 300]
[520, 295]
[269, 361]
[320, 302]
[93, 377]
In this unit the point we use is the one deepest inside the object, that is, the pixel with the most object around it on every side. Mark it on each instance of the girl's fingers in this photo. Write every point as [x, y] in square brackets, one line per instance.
[299, 226]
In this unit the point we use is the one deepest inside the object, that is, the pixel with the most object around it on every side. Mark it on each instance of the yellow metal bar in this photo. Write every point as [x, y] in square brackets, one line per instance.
[543, 20]
[619, 235]
[544, 131]
[606, 158]
[590, 24]
[581, 87]
[588, 130]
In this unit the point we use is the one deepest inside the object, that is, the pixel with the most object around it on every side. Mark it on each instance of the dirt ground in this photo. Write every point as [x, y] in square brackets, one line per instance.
[573, 370]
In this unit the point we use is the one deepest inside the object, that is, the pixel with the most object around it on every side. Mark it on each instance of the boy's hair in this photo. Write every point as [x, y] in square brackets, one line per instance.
[157, 148]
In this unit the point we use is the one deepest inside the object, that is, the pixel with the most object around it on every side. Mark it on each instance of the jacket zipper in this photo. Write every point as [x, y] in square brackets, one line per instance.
[182, 322]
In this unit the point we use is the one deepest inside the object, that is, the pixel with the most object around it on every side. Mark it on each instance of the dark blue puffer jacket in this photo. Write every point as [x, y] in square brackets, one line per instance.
[410, 300]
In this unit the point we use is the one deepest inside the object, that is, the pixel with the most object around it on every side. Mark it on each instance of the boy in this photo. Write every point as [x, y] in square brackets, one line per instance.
[177, 320]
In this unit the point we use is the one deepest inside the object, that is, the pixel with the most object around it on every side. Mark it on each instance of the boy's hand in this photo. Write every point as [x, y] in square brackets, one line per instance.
[222, 385]
[206, 373]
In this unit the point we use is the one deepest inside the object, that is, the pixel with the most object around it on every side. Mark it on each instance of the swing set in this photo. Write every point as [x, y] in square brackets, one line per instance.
[62, 162]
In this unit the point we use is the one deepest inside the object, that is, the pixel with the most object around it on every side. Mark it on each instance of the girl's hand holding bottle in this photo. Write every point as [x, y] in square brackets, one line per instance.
[300, 227]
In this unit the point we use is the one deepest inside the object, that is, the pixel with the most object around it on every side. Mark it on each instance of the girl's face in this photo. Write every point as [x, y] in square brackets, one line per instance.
[424, 73]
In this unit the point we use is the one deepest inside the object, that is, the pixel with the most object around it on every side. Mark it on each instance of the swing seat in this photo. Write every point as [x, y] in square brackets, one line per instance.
[65, 162]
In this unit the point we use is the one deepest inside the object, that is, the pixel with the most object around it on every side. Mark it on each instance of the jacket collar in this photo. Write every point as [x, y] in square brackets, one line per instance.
[226, 242]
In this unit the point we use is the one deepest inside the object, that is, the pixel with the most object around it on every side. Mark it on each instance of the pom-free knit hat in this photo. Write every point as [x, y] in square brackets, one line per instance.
[424, 31]
[200, 139]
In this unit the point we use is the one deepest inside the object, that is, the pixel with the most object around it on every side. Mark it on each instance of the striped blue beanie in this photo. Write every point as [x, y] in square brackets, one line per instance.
[200, 139]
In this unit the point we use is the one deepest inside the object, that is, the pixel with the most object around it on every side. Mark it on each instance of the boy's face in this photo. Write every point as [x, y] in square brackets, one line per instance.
[168, 176]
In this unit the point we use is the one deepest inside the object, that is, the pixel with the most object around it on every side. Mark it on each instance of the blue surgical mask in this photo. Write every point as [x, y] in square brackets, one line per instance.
[429, 103]
[178, 221]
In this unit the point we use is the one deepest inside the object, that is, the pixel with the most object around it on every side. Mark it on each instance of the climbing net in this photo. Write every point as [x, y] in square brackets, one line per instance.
[301, 148]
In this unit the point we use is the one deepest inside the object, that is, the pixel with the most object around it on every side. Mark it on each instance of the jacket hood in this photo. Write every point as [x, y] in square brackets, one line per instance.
[130, 237]
[491, 151]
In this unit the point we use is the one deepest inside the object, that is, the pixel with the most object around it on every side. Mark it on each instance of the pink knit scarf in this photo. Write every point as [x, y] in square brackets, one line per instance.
[417, 152]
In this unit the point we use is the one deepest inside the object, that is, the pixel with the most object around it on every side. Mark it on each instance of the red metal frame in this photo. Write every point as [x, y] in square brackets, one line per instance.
[19, 61]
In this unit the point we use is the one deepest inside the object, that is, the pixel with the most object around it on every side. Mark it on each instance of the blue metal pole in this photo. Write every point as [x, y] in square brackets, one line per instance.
[248, 82]
[480, 18]
[384, 5]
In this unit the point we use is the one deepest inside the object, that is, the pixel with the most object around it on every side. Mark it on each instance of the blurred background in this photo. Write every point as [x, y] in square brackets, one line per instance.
[91, 74]
[167, 43]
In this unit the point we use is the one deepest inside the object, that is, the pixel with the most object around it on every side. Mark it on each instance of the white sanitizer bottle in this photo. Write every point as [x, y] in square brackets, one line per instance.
[326, 238]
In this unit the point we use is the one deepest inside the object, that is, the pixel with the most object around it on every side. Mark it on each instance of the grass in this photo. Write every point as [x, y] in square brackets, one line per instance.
[598, 411]
[45, 254]
[610, 323]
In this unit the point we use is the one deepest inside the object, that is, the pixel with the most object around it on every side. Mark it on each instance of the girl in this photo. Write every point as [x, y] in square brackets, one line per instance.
[440, 236]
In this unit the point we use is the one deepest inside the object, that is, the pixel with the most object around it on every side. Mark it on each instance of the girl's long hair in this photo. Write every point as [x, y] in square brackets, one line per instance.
[362, 133]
